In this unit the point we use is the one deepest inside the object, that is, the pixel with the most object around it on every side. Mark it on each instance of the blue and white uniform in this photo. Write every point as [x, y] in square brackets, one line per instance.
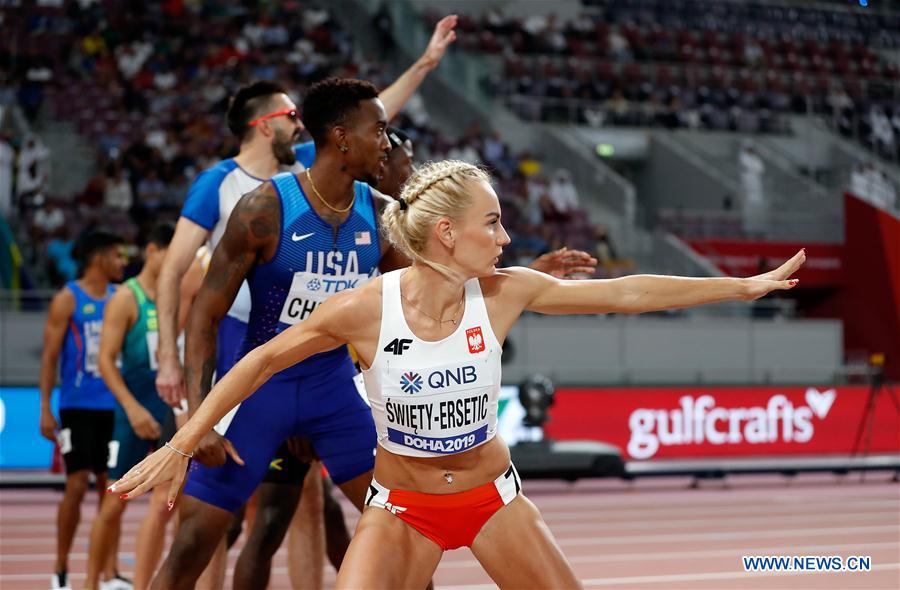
[210, 201]
[316, 398]
[85, 402]
[81, 386]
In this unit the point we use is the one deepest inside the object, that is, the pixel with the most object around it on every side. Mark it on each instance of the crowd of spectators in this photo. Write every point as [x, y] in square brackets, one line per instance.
[148, 85]
[693, 63]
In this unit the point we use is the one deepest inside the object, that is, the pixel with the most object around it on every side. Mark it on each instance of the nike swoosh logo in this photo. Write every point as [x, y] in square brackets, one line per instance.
[297, 238]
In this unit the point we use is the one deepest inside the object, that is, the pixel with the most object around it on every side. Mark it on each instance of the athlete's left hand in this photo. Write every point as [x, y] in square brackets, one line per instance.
[786, 270]
[563, 263]
[443, 36]
[161, 467]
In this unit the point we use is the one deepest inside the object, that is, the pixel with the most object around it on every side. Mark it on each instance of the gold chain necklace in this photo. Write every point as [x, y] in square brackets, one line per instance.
[438, 320]
[335, 209]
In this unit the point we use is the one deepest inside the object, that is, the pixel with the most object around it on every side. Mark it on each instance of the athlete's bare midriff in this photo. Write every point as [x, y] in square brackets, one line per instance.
[467, 470]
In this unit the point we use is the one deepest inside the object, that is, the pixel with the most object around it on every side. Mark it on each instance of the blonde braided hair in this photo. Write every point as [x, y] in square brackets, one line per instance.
[434, 191]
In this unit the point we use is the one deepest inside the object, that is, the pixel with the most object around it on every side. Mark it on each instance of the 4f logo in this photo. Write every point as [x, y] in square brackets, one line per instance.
[393, 508]
[398, 345]
[475, 339]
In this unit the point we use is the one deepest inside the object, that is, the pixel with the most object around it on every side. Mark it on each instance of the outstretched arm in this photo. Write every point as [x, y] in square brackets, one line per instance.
[396, 95]
[324, 330]
[645, 293]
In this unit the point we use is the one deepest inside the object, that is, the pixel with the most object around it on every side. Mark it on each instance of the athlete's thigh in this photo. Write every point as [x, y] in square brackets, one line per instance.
[386, 553]
[518, 550]
[339, 423]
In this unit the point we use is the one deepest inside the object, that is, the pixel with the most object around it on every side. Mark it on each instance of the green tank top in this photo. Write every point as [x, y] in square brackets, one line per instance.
[139, 362]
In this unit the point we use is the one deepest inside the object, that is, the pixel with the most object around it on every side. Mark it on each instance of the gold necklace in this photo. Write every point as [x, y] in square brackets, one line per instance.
[438, 320]
[335, 209]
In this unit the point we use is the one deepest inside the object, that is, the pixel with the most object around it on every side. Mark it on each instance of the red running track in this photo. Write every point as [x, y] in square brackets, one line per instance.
[654, 533]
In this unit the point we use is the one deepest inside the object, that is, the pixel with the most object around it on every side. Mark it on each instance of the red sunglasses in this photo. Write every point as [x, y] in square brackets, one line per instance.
[289, 113]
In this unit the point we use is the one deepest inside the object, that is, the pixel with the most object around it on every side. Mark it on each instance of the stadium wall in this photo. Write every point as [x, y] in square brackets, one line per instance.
[593, 350]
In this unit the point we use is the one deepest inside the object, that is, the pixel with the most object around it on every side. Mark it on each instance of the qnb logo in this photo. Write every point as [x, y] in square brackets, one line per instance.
[447, 377]
[411, 382]
[698, 421]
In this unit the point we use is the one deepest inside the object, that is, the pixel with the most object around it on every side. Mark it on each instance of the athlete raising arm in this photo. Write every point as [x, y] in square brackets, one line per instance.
[442, 476]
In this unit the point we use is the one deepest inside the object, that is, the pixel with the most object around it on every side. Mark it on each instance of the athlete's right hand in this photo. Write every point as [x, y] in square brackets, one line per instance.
[143, 423]
[162, 466]
[170, 380]
[48, 425]
[214, 449]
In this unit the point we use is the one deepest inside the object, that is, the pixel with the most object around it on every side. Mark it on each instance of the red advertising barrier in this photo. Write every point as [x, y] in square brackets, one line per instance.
[870, 301]
[744, 258]
[697, 422]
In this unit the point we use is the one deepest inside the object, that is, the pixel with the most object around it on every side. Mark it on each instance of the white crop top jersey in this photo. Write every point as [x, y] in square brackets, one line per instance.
[434, 398]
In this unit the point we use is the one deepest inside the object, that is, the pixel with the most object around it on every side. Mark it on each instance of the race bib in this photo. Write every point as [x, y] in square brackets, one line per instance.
[64, 438]
[153, 349]
[441, 409]
[92, 347]
[308, 290]
[113, 459]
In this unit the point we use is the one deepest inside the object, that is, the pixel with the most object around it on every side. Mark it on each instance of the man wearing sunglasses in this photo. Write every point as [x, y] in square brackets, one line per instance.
[266, 121]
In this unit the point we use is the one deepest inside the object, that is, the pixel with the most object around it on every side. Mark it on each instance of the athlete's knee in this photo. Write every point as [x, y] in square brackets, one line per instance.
[111, 510]
[76, 485]
[236, 526]
[159, 505]
[269, 528]
[275, 510]
[200, 529]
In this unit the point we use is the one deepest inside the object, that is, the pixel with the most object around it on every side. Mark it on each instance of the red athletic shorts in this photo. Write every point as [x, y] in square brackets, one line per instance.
[450, 520]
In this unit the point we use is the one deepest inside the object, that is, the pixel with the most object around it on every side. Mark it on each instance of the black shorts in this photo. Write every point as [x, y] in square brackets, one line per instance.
[84, 437]
[286, 468]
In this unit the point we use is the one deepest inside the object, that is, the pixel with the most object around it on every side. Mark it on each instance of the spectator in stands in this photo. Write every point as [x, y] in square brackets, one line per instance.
[871, 184]
[882, 133]
[384, 24]
[150, 191]
[47, 219]
[494, 150]
[90, 199]
[618, 107]
[415, 110]
[563, 194]
[117, 195]
[752, 170]
[463, 150]
[32, 174]
[528, 165]
[618, 45]
[63, 267]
